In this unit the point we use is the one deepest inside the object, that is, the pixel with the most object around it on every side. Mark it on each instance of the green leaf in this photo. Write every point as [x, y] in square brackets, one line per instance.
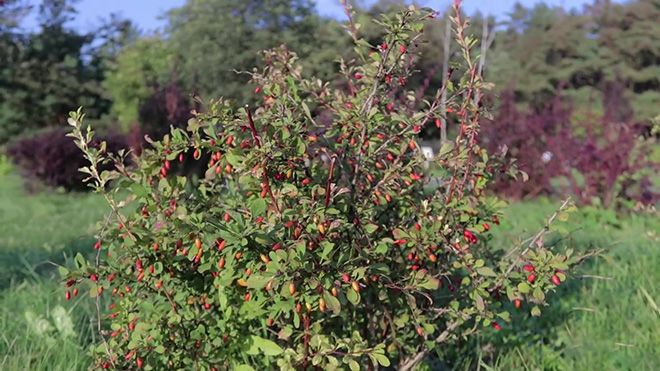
[333, 304]
[81, 263]
[486, 271]
[265, 346]
[370, 228]
[430, 283]
[257, 206]
[139, 190]
[301, 148]
[233, 159]
[536, 311]
[382, 359]
[354, 366]
[63, 271]
[353, 297]
[243, 368]
[523, 288]
[538, 294]
[479, 301]
[258, 281]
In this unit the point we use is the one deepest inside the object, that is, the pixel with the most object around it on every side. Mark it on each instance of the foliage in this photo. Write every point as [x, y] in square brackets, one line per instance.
[596, 159]
[544, 46]
[164, 108]
[138, 70]
[592, 326]
[44, 75]
[308, 245]
[213, 39]
[53, 159]
[42, 331]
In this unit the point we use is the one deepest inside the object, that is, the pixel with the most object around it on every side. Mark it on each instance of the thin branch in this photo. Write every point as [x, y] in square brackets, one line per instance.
[264, 178]
[411, 362]
[537, 236]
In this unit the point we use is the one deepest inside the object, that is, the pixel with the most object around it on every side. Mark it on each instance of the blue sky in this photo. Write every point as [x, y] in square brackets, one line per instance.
[146, 13]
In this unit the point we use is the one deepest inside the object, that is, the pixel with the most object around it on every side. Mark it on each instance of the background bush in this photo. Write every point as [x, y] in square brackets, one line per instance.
[53, 159]
[599, 159]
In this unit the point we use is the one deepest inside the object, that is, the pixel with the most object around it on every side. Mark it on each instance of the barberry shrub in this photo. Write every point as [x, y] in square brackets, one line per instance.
[308, 245]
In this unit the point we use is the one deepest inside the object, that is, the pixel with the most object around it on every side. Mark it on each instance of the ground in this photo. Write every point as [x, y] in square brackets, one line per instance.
[606, 318]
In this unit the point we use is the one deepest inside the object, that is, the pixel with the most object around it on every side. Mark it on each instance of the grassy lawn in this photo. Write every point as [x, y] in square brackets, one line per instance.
[39, 330]
[607, 318]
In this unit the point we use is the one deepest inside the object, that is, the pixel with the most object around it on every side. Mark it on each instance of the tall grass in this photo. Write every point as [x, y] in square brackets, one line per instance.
[606, 318]
[39, 329]
[37, 230]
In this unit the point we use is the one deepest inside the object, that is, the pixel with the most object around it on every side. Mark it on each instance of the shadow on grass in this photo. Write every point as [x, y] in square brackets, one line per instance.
[543, 338]
[18, 264]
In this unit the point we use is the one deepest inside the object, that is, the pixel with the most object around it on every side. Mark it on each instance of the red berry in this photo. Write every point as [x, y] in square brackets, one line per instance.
[138, 362]
[517, 303]
[257, 90]
[403, 49]
[528, 268]
[556, 280]
[418, 226]
[67, 295]
[384, 46]
[486, 227]
[531, 278]
[97, 245]
[358, 76]
[75, 291]
[496, 326]
[94, 277]
[438, 123]
[346, 278]
[227, 217]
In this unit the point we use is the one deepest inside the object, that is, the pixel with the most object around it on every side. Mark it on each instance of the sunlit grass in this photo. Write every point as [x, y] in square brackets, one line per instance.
[606, 318]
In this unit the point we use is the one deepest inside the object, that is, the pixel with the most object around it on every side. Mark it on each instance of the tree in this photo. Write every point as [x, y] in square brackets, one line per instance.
[140, 68]
[215, 38]
[585, 51]
[46, 74]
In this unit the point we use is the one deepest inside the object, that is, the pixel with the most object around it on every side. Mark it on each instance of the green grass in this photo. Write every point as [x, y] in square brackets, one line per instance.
[39, 330]
[606, 322]
[40, 229]
[606, 318]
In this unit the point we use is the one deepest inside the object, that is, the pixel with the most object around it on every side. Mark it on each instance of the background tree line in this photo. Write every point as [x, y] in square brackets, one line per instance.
[603, 60]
